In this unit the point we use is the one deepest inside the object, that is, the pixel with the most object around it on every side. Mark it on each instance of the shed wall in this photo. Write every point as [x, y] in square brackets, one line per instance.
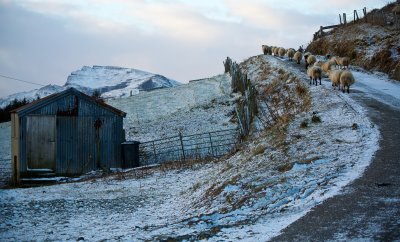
[77, 140]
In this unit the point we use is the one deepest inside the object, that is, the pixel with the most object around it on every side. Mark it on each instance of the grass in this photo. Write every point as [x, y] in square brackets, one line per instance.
[259, 150]
[304, 124]
[316, 119]
[285, 167]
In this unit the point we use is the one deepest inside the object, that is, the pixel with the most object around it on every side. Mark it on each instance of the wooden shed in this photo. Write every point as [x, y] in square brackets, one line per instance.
[67, 133]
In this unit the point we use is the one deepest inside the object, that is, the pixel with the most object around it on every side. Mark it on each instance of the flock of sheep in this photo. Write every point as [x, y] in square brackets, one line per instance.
[336, 68]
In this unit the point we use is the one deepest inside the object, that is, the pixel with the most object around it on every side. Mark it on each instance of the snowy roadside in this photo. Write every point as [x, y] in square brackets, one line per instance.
[250, 196]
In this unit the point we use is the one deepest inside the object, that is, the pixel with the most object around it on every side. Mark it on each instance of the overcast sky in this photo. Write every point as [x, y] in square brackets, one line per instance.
[43, 41]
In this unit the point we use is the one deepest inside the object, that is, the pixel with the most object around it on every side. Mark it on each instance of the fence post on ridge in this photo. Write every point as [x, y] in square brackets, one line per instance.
[182, 147]
[365, 14]
[211, 144]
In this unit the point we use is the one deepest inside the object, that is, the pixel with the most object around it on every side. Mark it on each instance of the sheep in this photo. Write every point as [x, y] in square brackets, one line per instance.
[281, 52]
[269, 50]
[326, 66]
[346, 80]
[315, 72]
[343, 62]
[334, 76]
[297, 57]
[290, 54]
[266, 49]
[318, 63]
[275, 50]
[306, 55]
[310, 61]
[334, 59]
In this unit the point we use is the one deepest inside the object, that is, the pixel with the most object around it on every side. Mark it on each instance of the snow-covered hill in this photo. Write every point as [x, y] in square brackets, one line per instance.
[112, 82]
[115, 82]
[31, 95]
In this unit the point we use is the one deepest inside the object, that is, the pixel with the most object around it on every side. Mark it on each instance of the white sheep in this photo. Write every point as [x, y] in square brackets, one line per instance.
[327, 66]
[334, 76]
[343, 62]
[297, 57]
[290, 54]
[315, 72]
[318, 63]
[275, 50]
[346, 80]
[310, 60]
[281, 52]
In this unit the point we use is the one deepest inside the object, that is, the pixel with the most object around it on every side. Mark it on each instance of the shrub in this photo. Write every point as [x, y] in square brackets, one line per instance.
[304, 124]
[259, 150]
[316, 119]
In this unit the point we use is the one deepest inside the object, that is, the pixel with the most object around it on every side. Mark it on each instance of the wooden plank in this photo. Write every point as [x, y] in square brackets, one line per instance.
[330, 26]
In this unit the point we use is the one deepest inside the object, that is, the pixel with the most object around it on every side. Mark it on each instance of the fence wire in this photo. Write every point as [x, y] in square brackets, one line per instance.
[189, 147]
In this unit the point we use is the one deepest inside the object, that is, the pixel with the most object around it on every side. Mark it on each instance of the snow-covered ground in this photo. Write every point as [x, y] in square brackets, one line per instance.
[5, 153]
[274, 179]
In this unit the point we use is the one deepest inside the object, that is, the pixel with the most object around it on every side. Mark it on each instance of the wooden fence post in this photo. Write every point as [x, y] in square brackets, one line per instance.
[211, 144]
[383, 18]
[182, 147]
[344, 18]
[355, 13]
[340, 18]
[365, 14]
[154, 150]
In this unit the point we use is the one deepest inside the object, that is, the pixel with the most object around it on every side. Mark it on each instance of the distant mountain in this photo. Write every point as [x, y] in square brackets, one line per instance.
[31, 95]
[112, 82]
[115, 82]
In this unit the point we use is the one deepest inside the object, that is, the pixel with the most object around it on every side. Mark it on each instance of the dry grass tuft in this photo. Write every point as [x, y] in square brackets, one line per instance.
[286, 167]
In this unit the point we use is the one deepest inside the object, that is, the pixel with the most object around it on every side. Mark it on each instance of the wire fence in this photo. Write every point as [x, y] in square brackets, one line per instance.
[189, 147]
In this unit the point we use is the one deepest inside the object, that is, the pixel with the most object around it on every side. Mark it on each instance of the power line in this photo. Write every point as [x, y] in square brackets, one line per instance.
[16, 79]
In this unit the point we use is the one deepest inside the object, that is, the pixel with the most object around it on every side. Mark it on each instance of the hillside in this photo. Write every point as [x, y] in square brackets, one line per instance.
[199, 106]
[110, 81]
[276, 176]
[374, 47]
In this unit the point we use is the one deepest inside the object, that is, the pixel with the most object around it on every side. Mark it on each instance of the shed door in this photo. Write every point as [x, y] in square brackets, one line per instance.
[40, 137]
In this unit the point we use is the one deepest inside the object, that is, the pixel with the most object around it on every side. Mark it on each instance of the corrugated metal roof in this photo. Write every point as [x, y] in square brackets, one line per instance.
[51, 98]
